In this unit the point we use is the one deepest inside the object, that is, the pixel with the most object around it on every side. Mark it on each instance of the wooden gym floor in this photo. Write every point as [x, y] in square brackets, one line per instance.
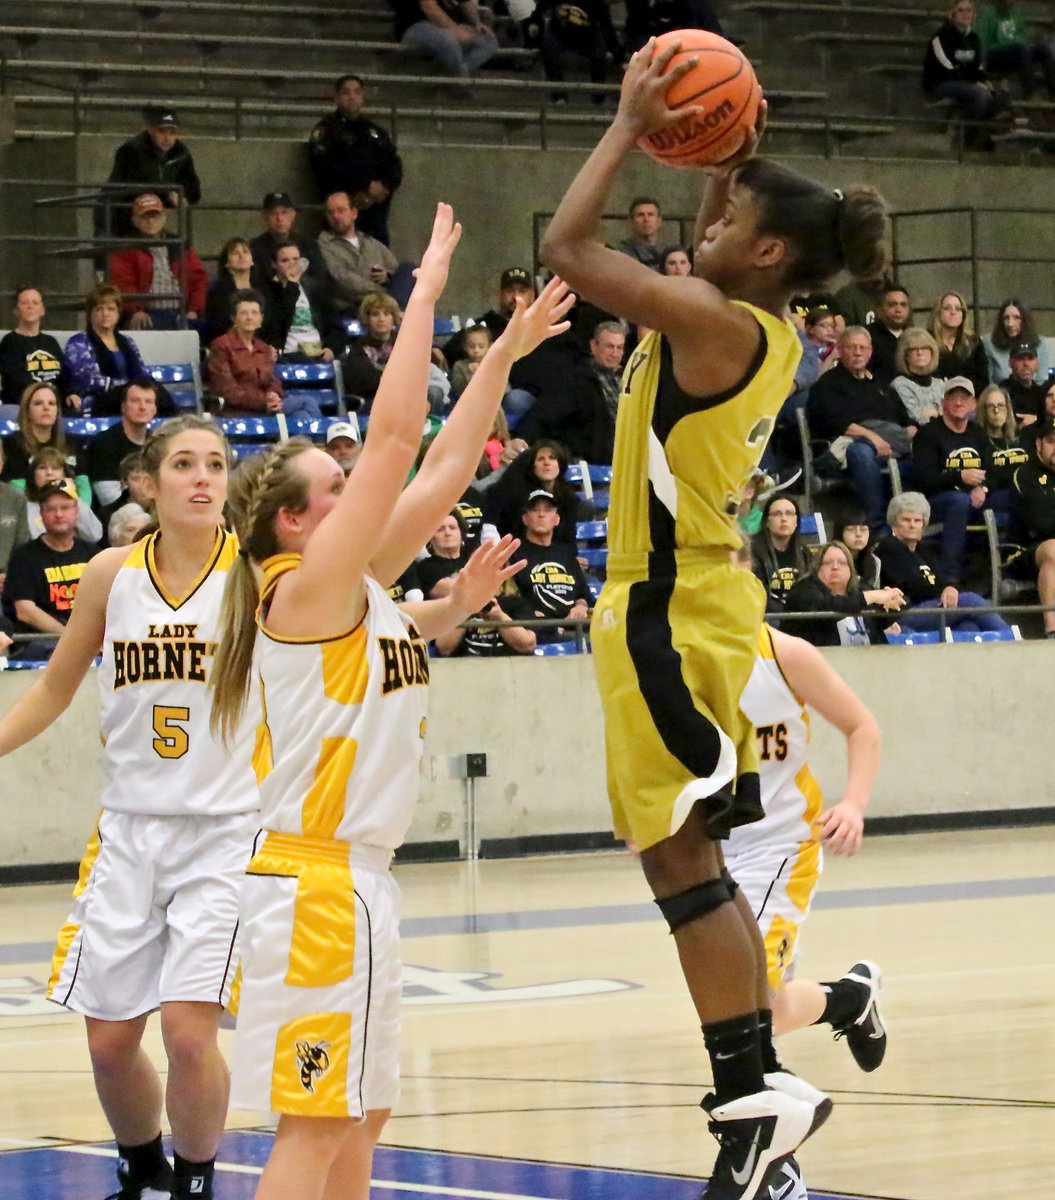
[550, 1050]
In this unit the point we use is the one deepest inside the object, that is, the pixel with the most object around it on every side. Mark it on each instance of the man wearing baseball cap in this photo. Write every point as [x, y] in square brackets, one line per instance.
[278, 213]
[1034, 502]
[552, 582]
[43, 574]
[343, 445]
[155, 160]
[953, 456]
[1026, 391]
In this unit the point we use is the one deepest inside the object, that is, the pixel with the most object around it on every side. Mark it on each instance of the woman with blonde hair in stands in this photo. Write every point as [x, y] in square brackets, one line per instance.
[342, 674]
[154, 916]
[960, 350]
[916, 383]
[996, 416]
[40, 425]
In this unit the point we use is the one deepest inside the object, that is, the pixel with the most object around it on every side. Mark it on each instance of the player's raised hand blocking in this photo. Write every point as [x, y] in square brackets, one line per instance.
[431, 274]
[485, 572]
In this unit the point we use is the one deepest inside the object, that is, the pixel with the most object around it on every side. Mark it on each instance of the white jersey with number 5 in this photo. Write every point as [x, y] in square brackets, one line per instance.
[161, 758]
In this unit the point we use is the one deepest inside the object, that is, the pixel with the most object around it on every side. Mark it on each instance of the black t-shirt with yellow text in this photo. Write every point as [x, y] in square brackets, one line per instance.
[47, 577]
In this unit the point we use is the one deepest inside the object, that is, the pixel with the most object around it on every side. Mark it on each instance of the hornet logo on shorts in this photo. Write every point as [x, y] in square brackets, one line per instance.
[314, 1062]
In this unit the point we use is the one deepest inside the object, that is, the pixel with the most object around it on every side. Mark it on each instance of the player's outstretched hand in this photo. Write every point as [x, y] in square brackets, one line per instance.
[531, 325]
[485, 572]
[431, 275]
[643, 107]
[841, 828]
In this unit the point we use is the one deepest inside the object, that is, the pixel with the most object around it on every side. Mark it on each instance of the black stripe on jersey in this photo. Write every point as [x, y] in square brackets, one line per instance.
[369, 993]
[687, 734]
[207, 570]
[673, 403]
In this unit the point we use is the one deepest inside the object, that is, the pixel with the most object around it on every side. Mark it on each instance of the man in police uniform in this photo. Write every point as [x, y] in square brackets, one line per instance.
[351, 154]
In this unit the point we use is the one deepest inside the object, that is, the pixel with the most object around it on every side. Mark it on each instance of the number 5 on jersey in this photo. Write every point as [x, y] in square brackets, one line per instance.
[172, 739]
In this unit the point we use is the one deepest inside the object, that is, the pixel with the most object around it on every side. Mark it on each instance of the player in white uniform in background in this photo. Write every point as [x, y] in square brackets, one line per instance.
[156, 904]
[777, 861]
[342, 673]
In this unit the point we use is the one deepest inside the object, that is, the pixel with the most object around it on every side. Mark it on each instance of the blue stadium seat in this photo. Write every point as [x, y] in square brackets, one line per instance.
[595, 586]
[590, 531]
[445, 326]
[811, 525]
[352, 327]
[929, 637]
[26, 664]
[598, 473]
[600, 499]
[596, 556]
[182, 383]
[557, 649]
[7, 427]
[1011, 634]
[263, 429]
[322, 380]
[86, 427]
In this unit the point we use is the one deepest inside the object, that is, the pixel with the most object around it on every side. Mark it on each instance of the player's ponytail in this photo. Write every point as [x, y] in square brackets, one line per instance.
[826, 231]
[259, 487]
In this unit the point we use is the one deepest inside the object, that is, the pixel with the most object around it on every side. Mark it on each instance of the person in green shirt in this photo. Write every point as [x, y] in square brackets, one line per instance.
[1009, 50]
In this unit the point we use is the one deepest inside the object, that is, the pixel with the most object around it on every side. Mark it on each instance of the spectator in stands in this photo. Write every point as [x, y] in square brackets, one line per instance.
[476, 342]
[28, 355]
[304, 324]
[780, 557]
[155, 159]
[279, 214]
[577, 33]
[1010, 50]
[952, 463]
[504, 638]
[513, 284]
[552, 582]
[542, 467]
[893, 317]
[866, 423]
[134, 487]
[48, 469]
[43, 574]
[447, 555]
[1014, 324]
[580, 412]
[125, 525]
[650, 18]
[960, 350]
[241, 367]
[818, 339]
[918, 387]
[644, 238]
[1024, 389]
[857, 302]
[101, 359]
[236, 270]
[820, 325]
[1034, 500]
[350, 154]
[676, 261]
[343, 445]
[14, 528]
[107, 450]
[852, 529]
[911, 567]
[833, 586]
[997, 421]
[39, 426]
[171, 285]
[451, 31]
[358, 264]
[953, 69]
[366, 356]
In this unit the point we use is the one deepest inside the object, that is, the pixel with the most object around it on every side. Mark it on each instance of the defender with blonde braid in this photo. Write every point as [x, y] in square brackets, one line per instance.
[155, 911]
[342, 673]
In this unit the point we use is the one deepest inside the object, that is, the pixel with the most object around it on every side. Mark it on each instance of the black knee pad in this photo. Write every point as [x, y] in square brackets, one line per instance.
[730, 882]
[694, 903]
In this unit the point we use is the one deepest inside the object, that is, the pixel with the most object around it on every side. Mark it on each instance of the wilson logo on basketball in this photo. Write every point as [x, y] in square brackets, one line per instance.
[685, 131]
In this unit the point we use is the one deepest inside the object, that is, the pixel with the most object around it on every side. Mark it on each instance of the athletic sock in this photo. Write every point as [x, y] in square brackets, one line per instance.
[142, 1164]
[736, 1059]
[193, 1180]
[768, 1047]
[842, 1003]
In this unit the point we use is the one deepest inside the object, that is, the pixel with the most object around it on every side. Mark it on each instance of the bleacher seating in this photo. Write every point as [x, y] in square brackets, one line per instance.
[321, 380]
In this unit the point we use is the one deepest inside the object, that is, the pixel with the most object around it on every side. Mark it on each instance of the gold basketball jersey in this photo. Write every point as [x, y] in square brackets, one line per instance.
[681, 461]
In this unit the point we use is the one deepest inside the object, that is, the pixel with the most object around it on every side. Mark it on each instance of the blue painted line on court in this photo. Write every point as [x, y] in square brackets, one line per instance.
[58, 1173]
[632, 914]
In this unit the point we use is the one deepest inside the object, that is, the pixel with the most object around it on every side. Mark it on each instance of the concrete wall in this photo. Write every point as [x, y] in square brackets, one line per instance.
[965, 728]
[496, 191]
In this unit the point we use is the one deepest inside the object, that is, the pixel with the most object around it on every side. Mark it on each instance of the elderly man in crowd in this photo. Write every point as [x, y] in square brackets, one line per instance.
[866, 422]
[350, 154]
[1025, 390]
[279, 215]
[358, 264]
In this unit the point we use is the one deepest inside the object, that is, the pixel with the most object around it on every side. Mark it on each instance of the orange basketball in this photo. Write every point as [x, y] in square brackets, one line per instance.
[724, 83]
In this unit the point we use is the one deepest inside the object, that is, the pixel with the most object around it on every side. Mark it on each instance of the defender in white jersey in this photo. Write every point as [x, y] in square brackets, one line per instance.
[777, 862]
[155, 909]
[342, 674]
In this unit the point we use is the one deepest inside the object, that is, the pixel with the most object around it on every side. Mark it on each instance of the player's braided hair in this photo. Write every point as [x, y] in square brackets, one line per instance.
[260, 487]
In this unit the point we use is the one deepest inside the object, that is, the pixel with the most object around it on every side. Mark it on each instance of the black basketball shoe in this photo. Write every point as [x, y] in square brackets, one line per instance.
[865, 1034]
[756, 1133]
